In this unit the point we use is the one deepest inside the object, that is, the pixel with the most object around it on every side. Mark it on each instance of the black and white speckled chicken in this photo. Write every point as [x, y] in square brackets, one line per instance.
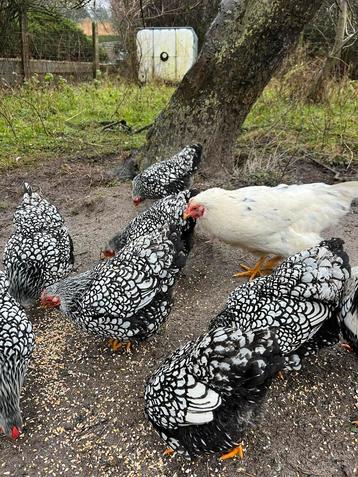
[348, 311]
[17, 342]
[164, 212]
[299, 300]
[206, 394]
[40, 250]
[167, 177]
[128, 297]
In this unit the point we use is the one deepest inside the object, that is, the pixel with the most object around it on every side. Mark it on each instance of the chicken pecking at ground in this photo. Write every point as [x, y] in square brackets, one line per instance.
[206, 394]
[128, 297]
[278, 220]
[298, 301]
[17, 342]
[167, 177]
[40, 250]
[348, 313]
[164, 212]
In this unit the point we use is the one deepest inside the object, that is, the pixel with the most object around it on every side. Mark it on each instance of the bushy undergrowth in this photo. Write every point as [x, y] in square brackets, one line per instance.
[284, 126]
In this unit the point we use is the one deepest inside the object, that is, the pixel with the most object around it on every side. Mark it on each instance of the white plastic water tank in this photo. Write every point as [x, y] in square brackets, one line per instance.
[166, 53]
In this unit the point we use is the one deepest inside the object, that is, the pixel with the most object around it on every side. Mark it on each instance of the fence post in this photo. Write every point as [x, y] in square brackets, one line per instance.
[25, 53]
[95, 49]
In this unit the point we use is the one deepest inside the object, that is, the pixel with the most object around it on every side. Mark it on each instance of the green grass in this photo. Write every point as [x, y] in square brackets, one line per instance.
[47, 120]
[281, 124]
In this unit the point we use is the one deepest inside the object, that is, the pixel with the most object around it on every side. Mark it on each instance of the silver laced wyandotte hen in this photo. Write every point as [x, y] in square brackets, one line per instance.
[40, 250]
[17, 342]
[348, 312]
[128, 297]
[167, 177]
[164, 212]
[206, 394]
[299, 301]
[280, 220]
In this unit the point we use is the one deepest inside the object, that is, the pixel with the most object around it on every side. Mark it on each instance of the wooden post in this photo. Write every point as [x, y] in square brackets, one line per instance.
[95, 64]
[25, 50]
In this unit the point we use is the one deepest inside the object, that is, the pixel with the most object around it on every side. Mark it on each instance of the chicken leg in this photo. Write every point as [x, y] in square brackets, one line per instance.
[251, 273]
[168, 451]
[117, 345]
[271, 264]
[239, 450]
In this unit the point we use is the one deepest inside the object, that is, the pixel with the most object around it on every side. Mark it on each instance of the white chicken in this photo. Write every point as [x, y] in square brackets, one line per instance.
[280, 220]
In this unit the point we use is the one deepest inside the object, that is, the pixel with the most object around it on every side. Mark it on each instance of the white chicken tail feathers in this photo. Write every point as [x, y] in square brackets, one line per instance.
[349, 189]
[27, 188]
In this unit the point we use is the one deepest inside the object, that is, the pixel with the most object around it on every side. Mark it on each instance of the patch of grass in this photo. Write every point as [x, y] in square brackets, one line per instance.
[283, 126]
[47, 119]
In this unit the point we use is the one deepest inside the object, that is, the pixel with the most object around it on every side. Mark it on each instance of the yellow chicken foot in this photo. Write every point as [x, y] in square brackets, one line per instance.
[346, 346]
[168, 451]
[115, 344]
[239, 450]
[129, 347]
[280, 375]
[251, 273]
[271, 265]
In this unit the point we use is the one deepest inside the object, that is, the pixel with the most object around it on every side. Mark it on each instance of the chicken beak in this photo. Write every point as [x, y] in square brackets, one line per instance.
[186, 215]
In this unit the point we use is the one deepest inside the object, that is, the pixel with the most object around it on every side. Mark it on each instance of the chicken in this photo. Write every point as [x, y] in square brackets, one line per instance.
[17, 342]
[167, 177]
[278, 220]
[128, 297]
[206, 394]
[40, 250]
[298, 301]
[348, 312]
[165, 212]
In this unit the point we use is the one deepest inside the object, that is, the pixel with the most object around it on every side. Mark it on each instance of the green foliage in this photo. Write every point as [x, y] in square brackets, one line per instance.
[54, 118]
[51, 37]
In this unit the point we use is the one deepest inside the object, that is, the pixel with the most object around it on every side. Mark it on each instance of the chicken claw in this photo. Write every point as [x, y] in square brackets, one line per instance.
[251, 273]
[115, 344]
[239, 450]
[168, 451]
[346, 346]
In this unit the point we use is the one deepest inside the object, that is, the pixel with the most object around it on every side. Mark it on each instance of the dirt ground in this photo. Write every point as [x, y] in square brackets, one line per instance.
[83, 404]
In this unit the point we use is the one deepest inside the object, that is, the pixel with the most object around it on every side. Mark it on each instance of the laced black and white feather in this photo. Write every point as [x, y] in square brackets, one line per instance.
[299, 298]
[168, 177]
[128, 297]
[17, 342]
[40, 250]
[165, 212]
[348, 310]
[206, 394]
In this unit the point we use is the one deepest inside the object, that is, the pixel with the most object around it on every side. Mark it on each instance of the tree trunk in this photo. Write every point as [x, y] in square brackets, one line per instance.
[318, 92]
[244, 46]
[25, 50]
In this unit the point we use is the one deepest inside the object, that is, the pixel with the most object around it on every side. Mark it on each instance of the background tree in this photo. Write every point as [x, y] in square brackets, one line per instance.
[243, 48]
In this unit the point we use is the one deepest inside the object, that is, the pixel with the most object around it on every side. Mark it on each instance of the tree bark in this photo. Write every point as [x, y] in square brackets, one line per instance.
[243, 48]
[25, 50]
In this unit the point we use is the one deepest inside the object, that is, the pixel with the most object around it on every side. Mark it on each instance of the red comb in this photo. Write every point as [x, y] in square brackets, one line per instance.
[15, 433]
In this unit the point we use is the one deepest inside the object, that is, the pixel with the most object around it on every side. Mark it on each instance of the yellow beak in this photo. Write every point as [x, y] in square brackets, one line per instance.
[186, 215]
